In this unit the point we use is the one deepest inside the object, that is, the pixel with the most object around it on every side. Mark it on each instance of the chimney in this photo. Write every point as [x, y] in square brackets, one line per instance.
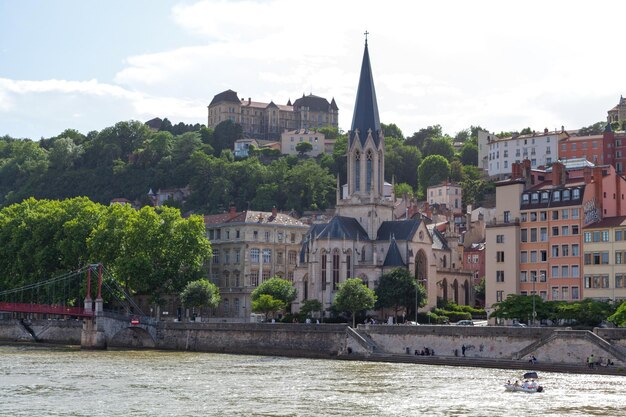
[597, 179]
[274, 211]
[557, 170]
[515, 170]
[233, 212]
[587, 175]
[545, 130]
[249, 100]
[562, 128]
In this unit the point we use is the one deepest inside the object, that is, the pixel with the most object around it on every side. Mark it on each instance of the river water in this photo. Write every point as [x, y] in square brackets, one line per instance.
[50, 381]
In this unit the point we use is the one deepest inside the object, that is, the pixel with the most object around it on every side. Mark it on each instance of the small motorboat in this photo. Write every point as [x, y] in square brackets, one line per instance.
[529, 384]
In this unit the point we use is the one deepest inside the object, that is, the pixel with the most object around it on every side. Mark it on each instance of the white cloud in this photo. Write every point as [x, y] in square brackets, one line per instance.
[456, 63]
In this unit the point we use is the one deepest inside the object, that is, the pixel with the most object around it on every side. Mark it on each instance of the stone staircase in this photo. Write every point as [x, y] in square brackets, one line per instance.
[362, 339]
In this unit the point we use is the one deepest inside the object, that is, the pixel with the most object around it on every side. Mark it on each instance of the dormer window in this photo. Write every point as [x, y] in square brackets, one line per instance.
[525, 198]
[556, 196]
[565, 195]
[545, 197]
[534, 198]
[575, 194]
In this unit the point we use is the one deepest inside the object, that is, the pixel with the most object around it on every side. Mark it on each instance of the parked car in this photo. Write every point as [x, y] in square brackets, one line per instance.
[465, 323]
[518, 324]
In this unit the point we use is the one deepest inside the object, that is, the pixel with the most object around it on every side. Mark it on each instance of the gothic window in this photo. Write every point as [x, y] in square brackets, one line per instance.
[324, 266]
[368, 171]
[335, 269]
[348, 265]
[305, 288]
[357, 171]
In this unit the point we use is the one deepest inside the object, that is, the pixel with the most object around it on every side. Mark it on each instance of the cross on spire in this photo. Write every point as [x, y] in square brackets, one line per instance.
[366, 33]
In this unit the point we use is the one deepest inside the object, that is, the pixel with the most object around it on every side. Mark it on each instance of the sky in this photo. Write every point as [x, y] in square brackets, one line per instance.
[503, 65]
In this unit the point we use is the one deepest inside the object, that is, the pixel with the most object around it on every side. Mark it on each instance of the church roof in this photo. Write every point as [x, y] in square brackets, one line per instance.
[341, 227]
[398, 229]
[366, 107]
[228, 96]
[393, 258]
[314, 103]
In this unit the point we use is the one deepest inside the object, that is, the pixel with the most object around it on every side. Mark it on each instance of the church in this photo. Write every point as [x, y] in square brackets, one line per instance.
[363, 239]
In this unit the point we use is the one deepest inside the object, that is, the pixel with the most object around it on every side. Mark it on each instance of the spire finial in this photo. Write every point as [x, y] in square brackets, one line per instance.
[366, 33]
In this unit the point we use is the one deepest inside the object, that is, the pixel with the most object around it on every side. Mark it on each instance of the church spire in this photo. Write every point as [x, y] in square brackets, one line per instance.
[366, 108]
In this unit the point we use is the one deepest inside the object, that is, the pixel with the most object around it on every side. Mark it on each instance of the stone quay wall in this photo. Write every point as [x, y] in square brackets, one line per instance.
[490, 343]
[303, 340]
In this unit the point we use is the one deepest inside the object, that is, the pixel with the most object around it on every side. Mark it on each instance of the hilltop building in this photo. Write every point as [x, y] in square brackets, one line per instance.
[618, 113]
[268, 120]
[607, 148]
[497, 155]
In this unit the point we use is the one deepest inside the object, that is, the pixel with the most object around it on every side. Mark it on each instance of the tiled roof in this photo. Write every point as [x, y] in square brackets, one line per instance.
[259, 217]
[608, 222]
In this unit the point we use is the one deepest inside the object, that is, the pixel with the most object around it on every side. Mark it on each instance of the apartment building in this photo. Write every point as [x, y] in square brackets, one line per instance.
[604, 252]
[497, 155]
[607, 148]
[535, 243]
[250, 247]
[448, 195]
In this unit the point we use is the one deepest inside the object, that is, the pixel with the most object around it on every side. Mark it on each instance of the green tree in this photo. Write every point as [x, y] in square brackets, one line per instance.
[279, 288]
[353, 296]
[309, 306]
[456, 171]
[439, 146]
[462, 136]
[619, 317]
[225, 135]
[303, 148]
[526, 131]
[403, 189]
[469, 154]
[433, 170]
[396, 290]
[391, 131]
[401, 160]
[594, 129]
[267, 305]
[200, 293]
[419, 138]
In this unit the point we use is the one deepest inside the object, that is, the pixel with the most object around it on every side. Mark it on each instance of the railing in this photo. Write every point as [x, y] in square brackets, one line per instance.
[45, 309]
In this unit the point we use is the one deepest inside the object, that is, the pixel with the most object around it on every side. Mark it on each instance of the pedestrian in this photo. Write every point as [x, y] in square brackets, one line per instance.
[463, 349]
[591, 361]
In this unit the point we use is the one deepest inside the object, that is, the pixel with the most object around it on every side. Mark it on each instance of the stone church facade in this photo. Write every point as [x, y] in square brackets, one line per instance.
[364, 240]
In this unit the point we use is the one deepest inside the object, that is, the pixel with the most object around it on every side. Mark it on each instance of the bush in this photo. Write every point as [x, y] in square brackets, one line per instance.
[423, 318]
[477, 313]
[453, 315]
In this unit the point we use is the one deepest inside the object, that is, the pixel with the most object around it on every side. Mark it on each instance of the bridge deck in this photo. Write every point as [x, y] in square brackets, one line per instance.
[45, 309]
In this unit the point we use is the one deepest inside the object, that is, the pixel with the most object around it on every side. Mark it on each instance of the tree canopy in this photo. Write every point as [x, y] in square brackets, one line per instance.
[433, 170]
[148, 251]
[200, 293]
[279, 288]
[396, 290]
[353, 296]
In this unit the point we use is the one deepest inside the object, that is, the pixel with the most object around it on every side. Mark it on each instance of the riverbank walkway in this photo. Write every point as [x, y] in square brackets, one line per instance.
[487, 363]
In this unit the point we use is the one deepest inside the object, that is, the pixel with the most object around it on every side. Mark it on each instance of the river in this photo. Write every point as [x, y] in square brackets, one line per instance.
[51, 381]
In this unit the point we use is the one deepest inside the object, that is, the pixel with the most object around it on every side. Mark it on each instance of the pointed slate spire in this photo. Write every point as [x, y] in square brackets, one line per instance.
[333, 104]
[366, 107]
[393, 258]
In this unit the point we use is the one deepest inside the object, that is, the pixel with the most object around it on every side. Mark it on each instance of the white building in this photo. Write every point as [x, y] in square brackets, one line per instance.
[290, 139]
[496, 155]
[446, 194]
